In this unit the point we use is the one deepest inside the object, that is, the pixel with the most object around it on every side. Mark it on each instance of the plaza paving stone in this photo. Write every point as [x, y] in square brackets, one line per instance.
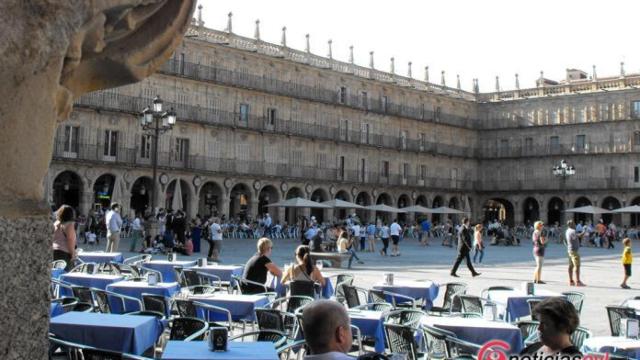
[601, 269]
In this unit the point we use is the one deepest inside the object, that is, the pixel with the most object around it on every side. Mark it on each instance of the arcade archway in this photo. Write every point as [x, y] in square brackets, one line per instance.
[210, 199]
[499, 209]
[141, 195]
[67, 190]
[531, 211]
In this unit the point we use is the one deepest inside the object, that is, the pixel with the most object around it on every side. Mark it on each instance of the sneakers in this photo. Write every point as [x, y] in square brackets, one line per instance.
[360, 262]
[454, 275]
[625, 286]
[476, 274]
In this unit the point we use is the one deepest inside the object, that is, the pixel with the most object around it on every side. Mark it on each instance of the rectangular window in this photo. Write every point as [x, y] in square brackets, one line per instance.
[365, 100]
[271, 118]
[244, 114]
[503, 147]
[423, 141]
[110, 143]
[579, 115]
[635, 109]
[363, 169]
[528, 145]
[384, 169]
[343, 95]
[636, 138]
[436, 114]
[403, 139]
[341, 167]
[71, 139]
[344, 130]
[181, 152]
[423, 172]
[554, 143]
[181, 63]
[385, 103]
[581, 142]
[636, 174]
[553, 117]
[405, 170]
[145, 146]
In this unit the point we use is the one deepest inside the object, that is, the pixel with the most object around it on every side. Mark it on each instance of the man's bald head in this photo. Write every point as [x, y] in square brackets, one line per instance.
[326, 327]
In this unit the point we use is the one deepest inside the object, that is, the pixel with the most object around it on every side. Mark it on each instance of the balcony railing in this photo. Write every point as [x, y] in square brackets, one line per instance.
[294, 89]
[130, 156]
[516, 151]
[113, 101]
[551, 183]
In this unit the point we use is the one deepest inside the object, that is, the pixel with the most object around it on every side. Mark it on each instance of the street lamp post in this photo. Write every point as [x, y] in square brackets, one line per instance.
[154, 122]
[563, 171]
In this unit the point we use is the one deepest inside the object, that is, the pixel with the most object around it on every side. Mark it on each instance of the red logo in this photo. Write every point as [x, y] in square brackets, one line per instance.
[494, 350]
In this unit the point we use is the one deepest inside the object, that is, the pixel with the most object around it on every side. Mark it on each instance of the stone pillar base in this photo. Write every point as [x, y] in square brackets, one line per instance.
[25, 258]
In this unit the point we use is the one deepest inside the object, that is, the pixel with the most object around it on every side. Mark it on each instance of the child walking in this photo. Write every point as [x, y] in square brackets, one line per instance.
[627, 258]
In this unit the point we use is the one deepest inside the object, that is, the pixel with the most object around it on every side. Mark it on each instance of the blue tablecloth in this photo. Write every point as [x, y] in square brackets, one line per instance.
[137, 288]
[479, 331]
[426, 290]
[124, 333]
[613, 345]
[99, 281]
[166, 267]
[55, 273]
[512, 304]
[56, 309]
[371, 324]
[101, 257]
[242, 307]
[224, 272]
[199, 350]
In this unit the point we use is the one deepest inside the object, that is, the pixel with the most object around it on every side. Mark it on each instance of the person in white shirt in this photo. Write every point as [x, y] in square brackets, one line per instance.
[215, 240]
[395, 230]
[136, 232]
[355, 230]
[114, 224]
[327, 330]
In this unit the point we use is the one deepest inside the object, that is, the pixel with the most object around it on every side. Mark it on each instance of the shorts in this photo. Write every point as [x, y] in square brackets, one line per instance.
[574, 259]
[395, 239]
[627, 269]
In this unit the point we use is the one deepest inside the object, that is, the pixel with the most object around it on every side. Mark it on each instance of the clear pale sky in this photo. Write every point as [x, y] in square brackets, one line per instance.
[476, 39]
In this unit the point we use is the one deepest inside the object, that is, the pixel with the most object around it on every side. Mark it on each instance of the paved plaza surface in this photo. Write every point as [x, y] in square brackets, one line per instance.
[510, 266]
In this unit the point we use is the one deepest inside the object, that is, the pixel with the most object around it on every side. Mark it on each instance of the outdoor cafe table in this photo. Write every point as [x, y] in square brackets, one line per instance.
[199, 350]
[137, 288]
[614, 345]
[123, 333]
[512, 304]
[224, 272]
[426, 290]
[99, 281]
[371, 324]
[166, 267]
[478, 331]
[56, 273]
[276, 283]
[101, 257]
[56, 309]
[242, 307]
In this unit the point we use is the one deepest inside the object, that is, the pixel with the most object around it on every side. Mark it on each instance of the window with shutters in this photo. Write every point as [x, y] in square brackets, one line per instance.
[342, 95]
[71, 134]
[636, 138]
[341, 167]
[554, 144]
[344, 130]
[271, 118]
[321, 161]
[110, 146]
[363, 170]
[403, 139]
[364, 133]
[145, 146]
[384, 169]
[423, 172]
[385, 103]
[581, 142]
[364, 100]
[405, 171]
[423, 141]
[244, 114]
[635, 109]
[181, 150]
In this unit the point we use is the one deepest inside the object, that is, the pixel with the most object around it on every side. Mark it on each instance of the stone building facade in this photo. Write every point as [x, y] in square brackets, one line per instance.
[259, 123]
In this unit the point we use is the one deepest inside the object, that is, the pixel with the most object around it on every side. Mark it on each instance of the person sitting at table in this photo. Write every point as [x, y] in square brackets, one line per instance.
[258, 266]
[305, 269]
[327, 330]
[558, 320]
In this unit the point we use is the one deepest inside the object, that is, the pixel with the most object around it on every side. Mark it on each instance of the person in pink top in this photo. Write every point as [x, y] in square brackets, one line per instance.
[64, 236]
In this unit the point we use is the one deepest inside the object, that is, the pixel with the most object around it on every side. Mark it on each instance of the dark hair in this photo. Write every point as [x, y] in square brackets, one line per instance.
[465, 220]
[303, 252]
[114, 205]
[561, 312]
[65, 214]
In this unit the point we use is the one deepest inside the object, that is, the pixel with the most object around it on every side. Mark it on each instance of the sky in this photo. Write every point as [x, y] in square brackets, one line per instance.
[473, 38]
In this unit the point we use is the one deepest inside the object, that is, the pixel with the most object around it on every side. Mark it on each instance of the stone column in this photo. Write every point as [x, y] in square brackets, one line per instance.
[86, 202]
[66, 49]
[253, 207]
[224, 206]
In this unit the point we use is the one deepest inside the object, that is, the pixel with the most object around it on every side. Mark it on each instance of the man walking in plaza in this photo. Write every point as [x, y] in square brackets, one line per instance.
[464, 249]
[573, 246]
[425, 226]
[215, 240]
[114, 224]
[395, 230]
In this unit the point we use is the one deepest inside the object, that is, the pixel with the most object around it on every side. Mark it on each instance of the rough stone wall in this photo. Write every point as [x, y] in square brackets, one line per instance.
[25, 254]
